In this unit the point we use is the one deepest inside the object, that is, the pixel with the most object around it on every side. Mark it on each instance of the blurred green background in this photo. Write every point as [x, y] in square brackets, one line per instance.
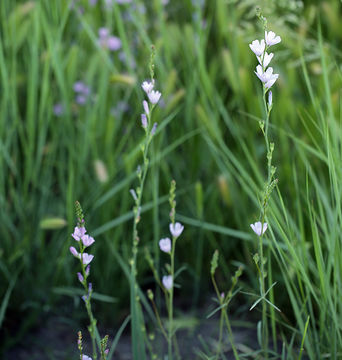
[56, 148]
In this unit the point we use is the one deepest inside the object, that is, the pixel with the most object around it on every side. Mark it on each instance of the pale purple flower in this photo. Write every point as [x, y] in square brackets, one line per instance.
[86, 258]
[81, 99]
[176, 229]
[92, 2]
[271, 38]
[87, 270]
[165, 245]
[146, 109]
[103, 33]
[85, 357]
[79, 87]
[258, 47]
[154, 96]
[74, 252]
[258, 228]
[90, 288]
[78, 233]
[267, 59]
[113, 43]
[80, 277]
[144, 121]
[87, 240]
[270, 99]
[147, 86]
[106, 351]
[123, 1]
[167, 282]
[58, 109]
[154, 129]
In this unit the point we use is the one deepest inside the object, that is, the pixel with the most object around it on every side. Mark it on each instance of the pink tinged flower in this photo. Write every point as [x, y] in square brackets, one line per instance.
[154, 96]
[165, 245]
[267, 59]
[87, 240]
[146, 109]
[79, 232]
[80, 277]
[74, 252]
[167, 282]
[86, 258]
[258, 228]
[258, 47]
[147, 86]
[271, 38]
[85, 357]
[106, 351]
[176, 229]
[144, 121]
[113, 43]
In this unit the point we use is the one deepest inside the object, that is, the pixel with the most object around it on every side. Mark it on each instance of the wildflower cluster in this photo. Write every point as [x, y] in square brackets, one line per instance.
[260, 50]
[82, 92]
[107, 41]
[153, 96]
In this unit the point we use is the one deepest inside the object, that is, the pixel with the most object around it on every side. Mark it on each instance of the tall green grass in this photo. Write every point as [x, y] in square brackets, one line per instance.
[208, 141]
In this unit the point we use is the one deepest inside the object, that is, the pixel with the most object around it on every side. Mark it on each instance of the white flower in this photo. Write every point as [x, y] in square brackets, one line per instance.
[147, 86]
[176, 229]
[267, 77]
[85, 357]
[165, 245]
[271, 81]
[258, 47]
[267, 59]
[258, 228]
[144, 121]
[167, 282]
[154, 96]
[271, 38]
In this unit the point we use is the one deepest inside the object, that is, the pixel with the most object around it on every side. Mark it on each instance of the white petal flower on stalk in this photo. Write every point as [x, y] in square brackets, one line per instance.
[176, 229]
[147, 86]
[167, 282]
[258, 47]
[271, 38]
[271, 80]
[154, 96]
[267, 59]
[270, 99]
[165, 245]
[258, 228]
[267, 77]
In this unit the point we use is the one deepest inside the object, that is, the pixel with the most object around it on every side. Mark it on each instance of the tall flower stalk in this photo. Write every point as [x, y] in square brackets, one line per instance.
[84, 241]
[149, 129]
[268, 78]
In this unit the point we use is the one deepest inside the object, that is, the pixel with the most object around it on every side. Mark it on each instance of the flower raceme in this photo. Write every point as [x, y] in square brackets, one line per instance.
[260, 48]
[79, 234]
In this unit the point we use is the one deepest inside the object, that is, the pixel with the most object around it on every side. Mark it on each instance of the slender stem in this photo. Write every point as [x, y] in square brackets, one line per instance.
[172, 271]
